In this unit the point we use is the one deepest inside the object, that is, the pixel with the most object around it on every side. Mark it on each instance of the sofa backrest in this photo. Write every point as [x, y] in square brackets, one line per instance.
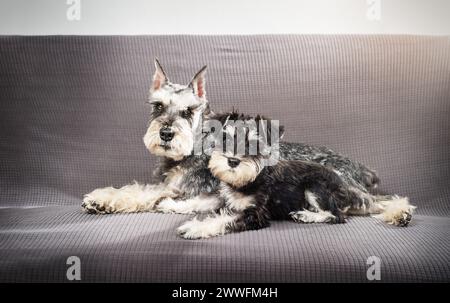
[72, 107]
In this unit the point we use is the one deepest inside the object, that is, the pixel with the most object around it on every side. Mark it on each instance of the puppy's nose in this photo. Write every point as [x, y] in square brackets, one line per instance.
[166, 134]
[233, 162]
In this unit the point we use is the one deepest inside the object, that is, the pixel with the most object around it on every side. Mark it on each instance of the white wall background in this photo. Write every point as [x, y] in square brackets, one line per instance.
[130, 17]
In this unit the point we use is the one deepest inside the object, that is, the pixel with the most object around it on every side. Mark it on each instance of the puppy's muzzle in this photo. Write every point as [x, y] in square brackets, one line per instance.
[166, 134]
[233, 162]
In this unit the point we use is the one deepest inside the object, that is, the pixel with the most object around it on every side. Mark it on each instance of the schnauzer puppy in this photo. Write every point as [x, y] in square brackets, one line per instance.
[184, 182]
[252, 193]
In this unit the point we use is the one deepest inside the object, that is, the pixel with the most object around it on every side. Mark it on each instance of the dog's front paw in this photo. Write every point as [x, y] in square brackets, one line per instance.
[195, 229]
[92, 207]
[98, 201]
[191, 230]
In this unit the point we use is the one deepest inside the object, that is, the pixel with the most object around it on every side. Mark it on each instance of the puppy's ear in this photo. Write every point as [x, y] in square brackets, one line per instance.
[198, 83]
[159, 77]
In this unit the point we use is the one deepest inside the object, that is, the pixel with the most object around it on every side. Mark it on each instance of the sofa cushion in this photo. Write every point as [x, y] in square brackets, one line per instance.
[36, 242]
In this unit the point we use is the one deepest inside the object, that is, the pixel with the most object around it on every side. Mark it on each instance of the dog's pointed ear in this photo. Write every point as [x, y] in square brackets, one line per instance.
[198, 83]
[159, 77]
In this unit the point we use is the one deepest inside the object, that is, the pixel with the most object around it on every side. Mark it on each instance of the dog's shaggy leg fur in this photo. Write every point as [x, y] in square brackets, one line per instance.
[216, 225]
[393, 210]
[199, 204]
[307, 216]
[129, 198]
[396, 211]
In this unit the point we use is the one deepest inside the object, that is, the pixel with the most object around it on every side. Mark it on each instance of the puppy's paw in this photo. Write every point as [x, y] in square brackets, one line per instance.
[207, 228]
[194, 229]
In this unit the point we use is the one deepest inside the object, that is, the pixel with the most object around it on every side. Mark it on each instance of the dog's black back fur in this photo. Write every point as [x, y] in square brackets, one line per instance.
[280, 190]
[351, 172]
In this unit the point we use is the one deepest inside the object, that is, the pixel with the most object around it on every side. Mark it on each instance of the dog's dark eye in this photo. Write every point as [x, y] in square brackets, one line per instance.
[158, 107]
[186, 114]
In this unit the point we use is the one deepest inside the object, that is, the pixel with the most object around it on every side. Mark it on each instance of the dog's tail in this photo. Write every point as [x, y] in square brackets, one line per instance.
[392, 209]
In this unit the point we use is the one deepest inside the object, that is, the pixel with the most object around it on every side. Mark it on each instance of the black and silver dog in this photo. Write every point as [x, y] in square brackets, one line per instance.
[185, 184]
[252, 193]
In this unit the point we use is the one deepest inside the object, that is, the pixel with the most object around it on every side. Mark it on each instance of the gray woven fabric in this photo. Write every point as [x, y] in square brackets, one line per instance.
[36, 242]
[72, 118]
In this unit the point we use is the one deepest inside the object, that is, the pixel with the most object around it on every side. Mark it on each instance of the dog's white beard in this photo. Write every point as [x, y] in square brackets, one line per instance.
[244, 173]
[180, 146]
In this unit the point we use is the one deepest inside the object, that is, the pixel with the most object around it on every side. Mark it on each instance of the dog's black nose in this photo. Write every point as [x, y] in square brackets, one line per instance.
[166, 134]
[233, 162]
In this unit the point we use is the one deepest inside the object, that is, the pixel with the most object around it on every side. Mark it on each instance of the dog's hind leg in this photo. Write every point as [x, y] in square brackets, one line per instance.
[393, 210]
[129, 198]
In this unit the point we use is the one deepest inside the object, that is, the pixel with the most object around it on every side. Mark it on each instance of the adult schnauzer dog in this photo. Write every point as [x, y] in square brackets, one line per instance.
[252, 193]
[176, 117]
[186, 185]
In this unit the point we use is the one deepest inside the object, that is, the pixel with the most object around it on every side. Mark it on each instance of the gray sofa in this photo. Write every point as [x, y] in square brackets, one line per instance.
[72, 118]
